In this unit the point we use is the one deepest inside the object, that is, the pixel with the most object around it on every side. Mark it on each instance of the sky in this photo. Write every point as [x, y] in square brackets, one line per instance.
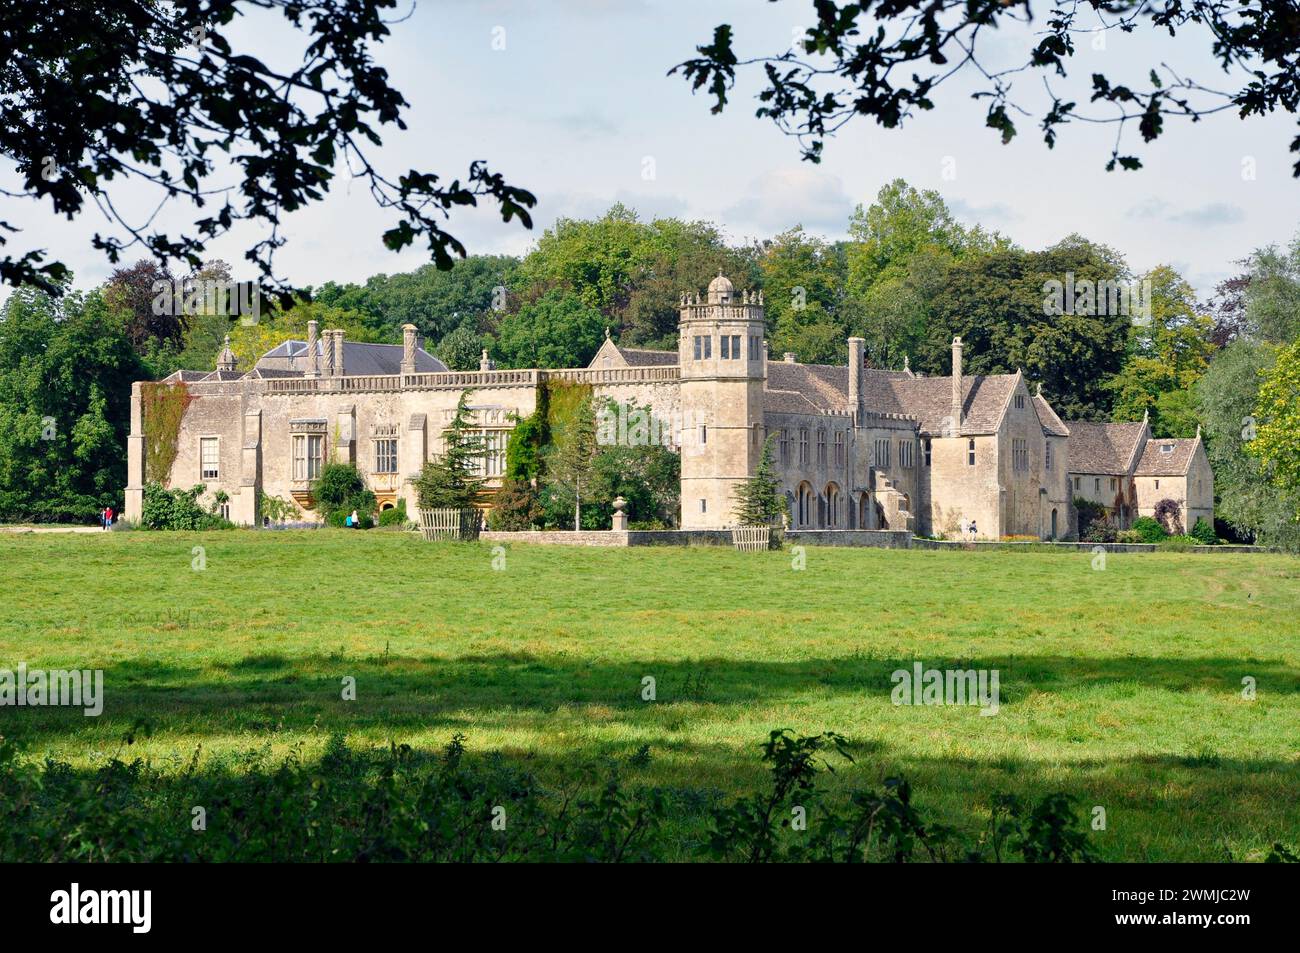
[571, 100]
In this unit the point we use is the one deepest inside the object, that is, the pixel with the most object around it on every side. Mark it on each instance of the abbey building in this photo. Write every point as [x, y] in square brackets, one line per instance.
[855, 447]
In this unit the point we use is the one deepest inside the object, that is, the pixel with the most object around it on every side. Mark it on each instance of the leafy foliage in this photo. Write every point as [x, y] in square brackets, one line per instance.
[1150, 530]
[886, 62]
[516, 507]
[177, 510]
[161, 93]
[338, 491]
[401, 805]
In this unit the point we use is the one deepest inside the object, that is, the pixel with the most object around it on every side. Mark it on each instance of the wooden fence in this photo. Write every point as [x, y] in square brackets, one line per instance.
[752, 539]
[460, 524]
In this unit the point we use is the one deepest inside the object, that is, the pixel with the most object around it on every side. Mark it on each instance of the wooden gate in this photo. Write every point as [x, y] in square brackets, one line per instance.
[751, 539]
[450, 523]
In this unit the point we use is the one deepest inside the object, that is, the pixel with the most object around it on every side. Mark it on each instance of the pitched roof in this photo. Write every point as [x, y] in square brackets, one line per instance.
[929, 400]
[645, 357]
[1173, 461]
[1052, 424]
[360, 357]
[1103, 447]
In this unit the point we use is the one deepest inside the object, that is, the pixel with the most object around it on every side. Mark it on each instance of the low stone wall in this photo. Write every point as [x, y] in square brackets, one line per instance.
[621, 538]
[880, 539]
[1040, 545]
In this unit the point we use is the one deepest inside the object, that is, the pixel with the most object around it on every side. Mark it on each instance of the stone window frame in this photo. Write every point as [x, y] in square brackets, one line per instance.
[785, 445]
[880, 457]
[970, 452]
[1047, 455]
[821, 446]
[203, 477]
[928, 450]
[305, 430]
[839, 448]
[906, 457]
[803, 446]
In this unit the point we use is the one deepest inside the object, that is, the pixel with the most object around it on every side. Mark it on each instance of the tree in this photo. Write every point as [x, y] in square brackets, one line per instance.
[559, 330]
[1277, 412]
[94, 96]
[887, 62]
[461, 349]
[648, 476]
[999, 302]
[1272, 293]
[452, 479]
[1247, 500]
[1170, 349]
[803, 286]
[340, 489]
[759, 501]
[66, 367]
[568, 463]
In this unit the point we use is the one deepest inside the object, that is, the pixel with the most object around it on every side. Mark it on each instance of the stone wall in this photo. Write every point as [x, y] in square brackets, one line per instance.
[879, 539]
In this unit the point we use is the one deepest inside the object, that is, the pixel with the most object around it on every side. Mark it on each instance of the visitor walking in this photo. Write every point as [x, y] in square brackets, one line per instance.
[973, 530]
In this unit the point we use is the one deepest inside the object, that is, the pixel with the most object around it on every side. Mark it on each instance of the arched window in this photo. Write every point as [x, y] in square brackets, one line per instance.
[806, 505]
[834, 505]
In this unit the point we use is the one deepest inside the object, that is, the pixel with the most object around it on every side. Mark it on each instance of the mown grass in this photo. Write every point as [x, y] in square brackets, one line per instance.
[1122, 687]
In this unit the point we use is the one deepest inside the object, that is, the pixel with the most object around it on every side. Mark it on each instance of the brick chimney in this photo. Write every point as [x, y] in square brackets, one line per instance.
[313, 359]
[408, 348]
[957, 389]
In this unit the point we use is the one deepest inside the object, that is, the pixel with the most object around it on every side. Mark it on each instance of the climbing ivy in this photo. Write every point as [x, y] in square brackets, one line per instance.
[162, 406]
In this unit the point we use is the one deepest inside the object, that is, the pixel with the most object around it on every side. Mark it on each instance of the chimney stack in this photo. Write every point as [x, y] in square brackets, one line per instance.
[313, 359]
[857, 354]
[957, 389]
[338, 353]
[408, 348]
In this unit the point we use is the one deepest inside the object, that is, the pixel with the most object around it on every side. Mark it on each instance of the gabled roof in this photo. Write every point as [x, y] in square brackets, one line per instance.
[1167, 456]
[358, 357]
[1052, 424]
[1104, 447]
[929, 400]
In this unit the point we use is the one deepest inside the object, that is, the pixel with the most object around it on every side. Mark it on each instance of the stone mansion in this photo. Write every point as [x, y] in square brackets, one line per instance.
[856, 447]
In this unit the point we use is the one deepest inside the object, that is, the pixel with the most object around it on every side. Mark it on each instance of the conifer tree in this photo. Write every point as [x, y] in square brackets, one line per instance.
[758, 499]
[452, 480]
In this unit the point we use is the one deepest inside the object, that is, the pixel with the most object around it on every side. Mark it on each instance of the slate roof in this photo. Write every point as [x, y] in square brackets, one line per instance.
[1157, 461]
[1052, 424]
[1103, 447]
[927, 399]
[362, 358]
[645, 357]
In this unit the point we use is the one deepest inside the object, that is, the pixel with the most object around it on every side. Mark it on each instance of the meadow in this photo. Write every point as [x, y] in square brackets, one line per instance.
[1121, 686]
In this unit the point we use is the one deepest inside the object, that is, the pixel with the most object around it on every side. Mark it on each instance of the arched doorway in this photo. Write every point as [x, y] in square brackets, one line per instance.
[864, 511]
[1053, 524]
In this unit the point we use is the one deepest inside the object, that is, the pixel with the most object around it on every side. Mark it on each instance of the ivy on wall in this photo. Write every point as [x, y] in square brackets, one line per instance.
[162, 406]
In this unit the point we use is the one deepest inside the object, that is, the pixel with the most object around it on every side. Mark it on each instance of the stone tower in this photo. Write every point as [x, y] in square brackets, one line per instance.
[723, 367]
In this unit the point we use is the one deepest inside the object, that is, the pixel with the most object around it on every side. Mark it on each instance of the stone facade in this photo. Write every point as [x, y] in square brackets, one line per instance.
[856, 448]
[1125, 469]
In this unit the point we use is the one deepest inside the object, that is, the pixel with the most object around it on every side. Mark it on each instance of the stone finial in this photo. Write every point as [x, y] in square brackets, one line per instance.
[226, 360]
[1040, 388]
[619, 523]
[485, 362]
[606, 332]
[907, 363]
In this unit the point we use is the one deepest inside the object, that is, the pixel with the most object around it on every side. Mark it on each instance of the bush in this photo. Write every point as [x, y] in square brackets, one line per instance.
[1167, 515]
[1100, 531]
[338, 491]
[516, 507]
[394, 516]
[1149, 530]
[1089, 513]
[177, 510]
[1204, 532]
[401, 805]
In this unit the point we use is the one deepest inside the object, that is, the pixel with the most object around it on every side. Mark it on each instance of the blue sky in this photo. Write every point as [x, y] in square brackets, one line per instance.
[578, 105]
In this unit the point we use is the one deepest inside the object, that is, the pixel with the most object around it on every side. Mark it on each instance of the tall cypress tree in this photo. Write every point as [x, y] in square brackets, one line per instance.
[452, 479]
[758, 500]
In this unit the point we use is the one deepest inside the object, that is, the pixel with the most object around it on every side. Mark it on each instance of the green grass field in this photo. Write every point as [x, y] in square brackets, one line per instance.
[1122, 687]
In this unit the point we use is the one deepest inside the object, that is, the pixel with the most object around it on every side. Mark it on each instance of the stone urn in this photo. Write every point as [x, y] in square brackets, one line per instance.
[620, 517]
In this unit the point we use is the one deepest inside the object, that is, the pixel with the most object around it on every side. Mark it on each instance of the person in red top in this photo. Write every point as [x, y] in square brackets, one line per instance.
[108, 517]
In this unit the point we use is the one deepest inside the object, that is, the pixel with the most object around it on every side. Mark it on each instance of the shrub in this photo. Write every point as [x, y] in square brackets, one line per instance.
[516, 507]
[177, 510]
[394, 516]
[1089, 513]
[1204, 532]
[1149, 530]
[336, 485]
[1167, 514]
[1100, 531]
